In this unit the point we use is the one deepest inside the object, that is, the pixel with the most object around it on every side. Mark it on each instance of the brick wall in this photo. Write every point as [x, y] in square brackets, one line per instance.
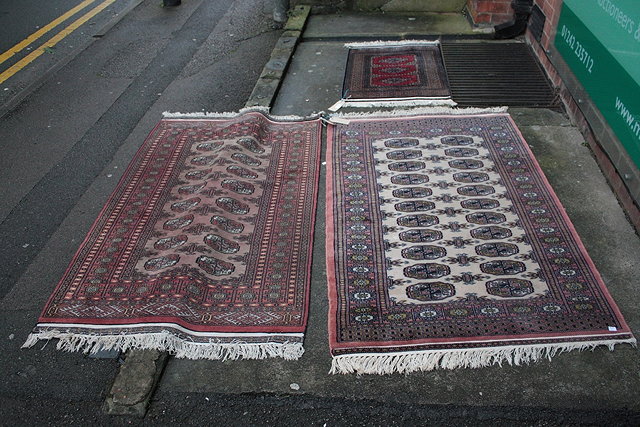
[489, 12]
[551, 10]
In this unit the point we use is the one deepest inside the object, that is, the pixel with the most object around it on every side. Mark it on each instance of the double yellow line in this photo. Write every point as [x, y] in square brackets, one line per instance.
[53, 40]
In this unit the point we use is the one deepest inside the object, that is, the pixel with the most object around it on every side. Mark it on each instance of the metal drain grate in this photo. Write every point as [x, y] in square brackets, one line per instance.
[489, 74]
[536, 22]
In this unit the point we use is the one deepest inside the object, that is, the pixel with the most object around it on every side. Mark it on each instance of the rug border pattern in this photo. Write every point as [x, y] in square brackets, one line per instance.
[551, 341]
[173, 333]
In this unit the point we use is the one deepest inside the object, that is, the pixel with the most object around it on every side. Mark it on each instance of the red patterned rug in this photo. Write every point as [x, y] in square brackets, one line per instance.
[203, 249]
[447, 248]
[385, 73]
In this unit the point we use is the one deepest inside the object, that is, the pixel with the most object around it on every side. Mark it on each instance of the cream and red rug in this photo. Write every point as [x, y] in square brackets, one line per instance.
[447, 248]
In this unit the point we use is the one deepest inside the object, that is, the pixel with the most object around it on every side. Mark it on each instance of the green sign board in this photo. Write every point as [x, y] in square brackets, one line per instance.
[600, 41]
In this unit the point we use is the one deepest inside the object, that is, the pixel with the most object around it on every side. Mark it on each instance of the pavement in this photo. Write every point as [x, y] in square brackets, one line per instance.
[66, 145]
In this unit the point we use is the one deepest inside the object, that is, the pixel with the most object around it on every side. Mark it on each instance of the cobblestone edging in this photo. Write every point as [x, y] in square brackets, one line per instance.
[269, 81]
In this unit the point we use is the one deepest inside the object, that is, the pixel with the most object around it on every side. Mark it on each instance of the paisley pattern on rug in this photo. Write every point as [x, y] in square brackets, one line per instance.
[447, 247]
[204, 248]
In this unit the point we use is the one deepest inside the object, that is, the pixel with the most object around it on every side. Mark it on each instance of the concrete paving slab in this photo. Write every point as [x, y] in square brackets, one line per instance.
[538, 116]
[576, 381]
[321, 66]
[396, 26]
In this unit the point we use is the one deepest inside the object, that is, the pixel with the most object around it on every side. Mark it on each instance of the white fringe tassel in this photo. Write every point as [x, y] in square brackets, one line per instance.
[405, 363]
[229, 115]
[383, 43]
[405, 103]
[166, 341]
[421, 111]
[203, 115]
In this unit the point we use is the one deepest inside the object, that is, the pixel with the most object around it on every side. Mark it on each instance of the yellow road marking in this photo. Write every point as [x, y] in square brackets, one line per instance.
[53, 41]
[42, 31]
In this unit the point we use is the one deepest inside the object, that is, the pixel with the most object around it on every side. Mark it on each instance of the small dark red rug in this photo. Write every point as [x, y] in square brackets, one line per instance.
[378, 73]
[447, 248]
[204, 247]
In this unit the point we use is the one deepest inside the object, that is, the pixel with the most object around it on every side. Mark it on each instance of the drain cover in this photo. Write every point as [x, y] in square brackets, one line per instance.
[486, 74]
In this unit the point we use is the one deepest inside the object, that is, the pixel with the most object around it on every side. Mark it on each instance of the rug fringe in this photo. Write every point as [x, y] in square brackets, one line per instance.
[229, 115]
[386, 43]
[405, 363]
[165, 341]
[203, 114]
[404, 103]
[439, 110]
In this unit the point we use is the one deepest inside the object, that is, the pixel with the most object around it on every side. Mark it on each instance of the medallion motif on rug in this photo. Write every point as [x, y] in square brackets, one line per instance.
[446, 247]
[203, 249]
[380, 73]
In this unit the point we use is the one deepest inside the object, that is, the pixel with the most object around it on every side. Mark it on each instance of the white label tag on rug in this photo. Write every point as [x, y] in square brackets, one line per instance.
[612, 329]
[338, 120]
[338, 105]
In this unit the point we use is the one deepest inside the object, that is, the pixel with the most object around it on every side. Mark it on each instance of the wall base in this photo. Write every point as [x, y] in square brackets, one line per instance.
[618, 168]
[489, 12]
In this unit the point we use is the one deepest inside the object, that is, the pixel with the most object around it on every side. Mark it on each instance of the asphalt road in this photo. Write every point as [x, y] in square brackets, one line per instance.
[20, 18]
[200, 409]
[38, 38]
